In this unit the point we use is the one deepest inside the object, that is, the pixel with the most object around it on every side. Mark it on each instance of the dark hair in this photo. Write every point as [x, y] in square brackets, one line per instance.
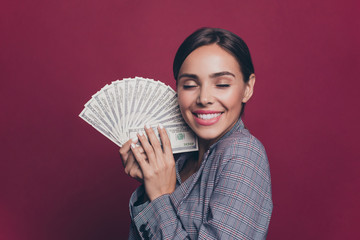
[226, 40]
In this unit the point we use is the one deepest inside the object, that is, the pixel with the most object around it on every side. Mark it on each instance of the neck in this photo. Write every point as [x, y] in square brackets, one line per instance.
[204, 145]
[193, 164]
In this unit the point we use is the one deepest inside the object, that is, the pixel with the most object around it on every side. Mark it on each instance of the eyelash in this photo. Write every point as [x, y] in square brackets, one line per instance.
[188, 86]
[223, 85]
[217, 85]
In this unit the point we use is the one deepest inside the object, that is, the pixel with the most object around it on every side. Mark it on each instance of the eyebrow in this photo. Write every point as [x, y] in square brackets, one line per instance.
[188, 76]
[213, 75]
[219, 74]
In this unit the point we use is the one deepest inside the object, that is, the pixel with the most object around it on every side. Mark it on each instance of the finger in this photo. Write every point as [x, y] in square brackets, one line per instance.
[153, 140]
[125, 151]
[141, 150]
[148, 149]
[137, 174]
[132, 167]
[135, 171]
[139, 157]
[164, 139]
[129, 162]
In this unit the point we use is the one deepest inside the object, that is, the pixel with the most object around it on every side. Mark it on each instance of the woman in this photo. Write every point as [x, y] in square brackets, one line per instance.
[223, 191]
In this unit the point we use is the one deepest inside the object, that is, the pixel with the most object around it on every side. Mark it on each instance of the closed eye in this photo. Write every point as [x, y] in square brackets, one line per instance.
[189, 86]
[223, 85]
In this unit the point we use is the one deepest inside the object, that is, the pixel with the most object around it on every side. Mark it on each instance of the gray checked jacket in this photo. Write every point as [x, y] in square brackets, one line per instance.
[229, 197]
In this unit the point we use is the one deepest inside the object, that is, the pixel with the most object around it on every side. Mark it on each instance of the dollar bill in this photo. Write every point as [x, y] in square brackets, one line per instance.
[90, 118]
[97, 111]
[151, 103]
[181, 137]
[143, 98]
[122, 108]
[118, 87]
[111, 100]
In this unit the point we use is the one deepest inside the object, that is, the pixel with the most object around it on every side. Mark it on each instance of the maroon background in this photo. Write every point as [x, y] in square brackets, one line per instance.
[61, 179]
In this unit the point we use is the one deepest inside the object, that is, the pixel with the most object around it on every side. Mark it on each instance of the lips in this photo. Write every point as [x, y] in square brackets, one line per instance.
[206, 118]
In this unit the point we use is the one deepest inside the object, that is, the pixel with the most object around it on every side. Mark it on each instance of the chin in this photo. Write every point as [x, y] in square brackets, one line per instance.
[208, 135]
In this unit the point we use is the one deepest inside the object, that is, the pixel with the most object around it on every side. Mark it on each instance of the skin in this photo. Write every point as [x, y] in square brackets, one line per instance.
[154, 165]
[209, 81]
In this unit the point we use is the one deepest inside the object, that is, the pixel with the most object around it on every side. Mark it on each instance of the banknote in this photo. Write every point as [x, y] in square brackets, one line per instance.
[120, 109]
[111, 100]
[102, 103]
[120, 99]
[181, 138]
[90, 118]
[143, 98]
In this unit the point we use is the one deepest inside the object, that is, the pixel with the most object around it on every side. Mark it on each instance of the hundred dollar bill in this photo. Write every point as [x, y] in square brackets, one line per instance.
[137, 95]
[181, 137]
[120, 102]
[159, 90]
[100, 99]
[143, 98]
[172, 120]
[163, 101]
[123, 107]
[169, 108]
[90, 118]
[93, 106]
[109, 91]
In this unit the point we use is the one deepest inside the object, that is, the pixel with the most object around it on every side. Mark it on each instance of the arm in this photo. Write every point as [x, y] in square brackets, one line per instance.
[240, 205]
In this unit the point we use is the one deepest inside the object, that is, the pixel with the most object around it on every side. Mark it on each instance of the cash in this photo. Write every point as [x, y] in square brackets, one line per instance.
[121, 109]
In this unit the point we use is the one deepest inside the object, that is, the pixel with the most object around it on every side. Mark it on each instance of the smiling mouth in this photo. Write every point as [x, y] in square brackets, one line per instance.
[207, 116]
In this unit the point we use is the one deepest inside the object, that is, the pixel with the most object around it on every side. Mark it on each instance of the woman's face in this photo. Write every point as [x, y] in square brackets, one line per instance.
[210, 90]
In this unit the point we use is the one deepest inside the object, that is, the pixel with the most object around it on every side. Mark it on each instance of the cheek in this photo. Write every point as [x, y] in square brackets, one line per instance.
[184, 100]
[184, 105]
[232, 101]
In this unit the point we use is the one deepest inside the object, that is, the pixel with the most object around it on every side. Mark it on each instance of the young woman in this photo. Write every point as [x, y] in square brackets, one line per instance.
[223, 191]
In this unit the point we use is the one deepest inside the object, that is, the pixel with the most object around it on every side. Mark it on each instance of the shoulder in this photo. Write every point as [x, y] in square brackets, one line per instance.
[243, 150]
[242, 166]
[242, 141]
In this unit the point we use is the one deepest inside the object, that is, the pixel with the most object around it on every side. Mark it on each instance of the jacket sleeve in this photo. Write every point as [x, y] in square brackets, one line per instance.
[239, 208]
[154, 220]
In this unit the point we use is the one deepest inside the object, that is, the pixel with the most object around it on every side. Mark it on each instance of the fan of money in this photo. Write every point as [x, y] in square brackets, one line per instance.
[121, 109]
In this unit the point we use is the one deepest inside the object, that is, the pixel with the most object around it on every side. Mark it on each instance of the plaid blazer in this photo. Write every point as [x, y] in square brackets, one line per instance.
[229, 197]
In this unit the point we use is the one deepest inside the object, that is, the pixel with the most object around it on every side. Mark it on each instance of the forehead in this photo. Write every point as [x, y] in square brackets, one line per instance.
[210, 59]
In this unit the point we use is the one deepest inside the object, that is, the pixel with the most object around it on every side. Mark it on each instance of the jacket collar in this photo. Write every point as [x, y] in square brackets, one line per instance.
[238, 126]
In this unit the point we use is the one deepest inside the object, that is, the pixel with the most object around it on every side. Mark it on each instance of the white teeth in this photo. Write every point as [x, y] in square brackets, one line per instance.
[208, 116]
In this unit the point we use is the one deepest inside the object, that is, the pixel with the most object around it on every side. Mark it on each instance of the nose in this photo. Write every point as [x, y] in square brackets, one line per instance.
[205, 96]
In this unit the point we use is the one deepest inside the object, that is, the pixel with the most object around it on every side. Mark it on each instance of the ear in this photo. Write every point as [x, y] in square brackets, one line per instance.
[249, 88]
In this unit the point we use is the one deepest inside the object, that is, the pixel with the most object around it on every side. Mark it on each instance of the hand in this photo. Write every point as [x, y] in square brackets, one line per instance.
[159, 169]
[130, 164]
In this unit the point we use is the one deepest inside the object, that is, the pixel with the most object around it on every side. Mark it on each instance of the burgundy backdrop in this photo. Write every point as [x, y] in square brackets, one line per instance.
[61, 179]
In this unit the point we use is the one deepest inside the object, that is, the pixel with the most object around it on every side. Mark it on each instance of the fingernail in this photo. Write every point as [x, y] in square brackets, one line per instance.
[140, 133]
[133, 145]
[161, 126]
[147, 126]
[134, 139]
